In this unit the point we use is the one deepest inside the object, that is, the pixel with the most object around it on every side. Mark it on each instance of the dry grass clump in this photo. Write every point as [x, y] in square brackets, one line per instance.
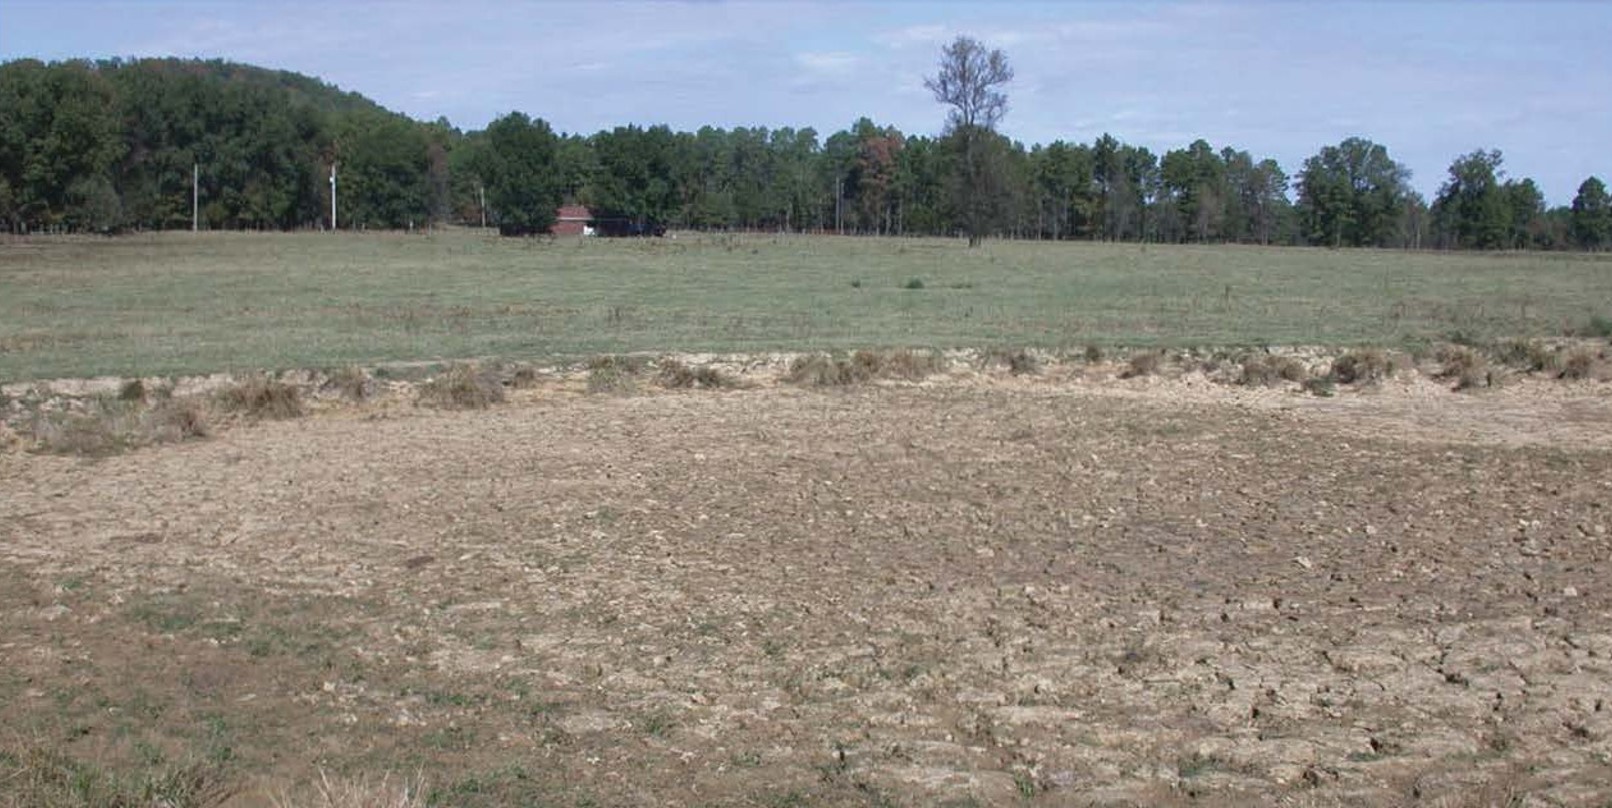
[1018, 361]
[1465, 366]
[1143, 363]
[525, 377]
[260, 396]
[678, 375]
[351, 382]
[132, 390]
[1579, 364]
[1366, 365]
[615, 375]
[1270, 370]
[1529, 355]
[173, 420]
[461, 387]
[1093, 354]
[822, 370]
[360, 793]
[901, 363]
[104, 427]
[109, 425]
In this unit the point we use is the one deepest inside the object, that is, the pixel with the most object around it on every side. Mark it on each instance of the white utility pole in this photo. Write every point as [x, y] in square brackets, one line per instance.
[484, 207]
[195, 197]
[332, 196]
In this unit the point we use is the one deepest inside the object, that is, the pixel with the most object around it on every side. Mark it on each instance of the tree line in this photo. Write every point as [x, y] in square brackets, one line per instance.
[110, 146]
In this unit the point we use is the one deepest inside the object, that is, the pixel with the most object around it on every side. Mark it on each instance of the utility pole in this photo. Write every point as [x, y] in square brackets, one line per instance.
[195, 197]
[483, 193]
[332, 196]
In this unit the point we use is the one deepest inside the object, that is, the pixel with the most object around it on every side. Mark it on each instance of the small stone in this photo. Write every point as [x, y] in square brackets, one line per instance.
[1569, 591]
[1304, 562]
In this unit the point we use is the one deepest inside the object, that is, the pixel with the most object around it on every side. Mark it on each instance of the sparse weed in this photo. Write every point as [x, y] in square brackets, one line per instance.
[260, 396]
[1093, 354]
[462, 387]
[102, 428]
[1528, 355]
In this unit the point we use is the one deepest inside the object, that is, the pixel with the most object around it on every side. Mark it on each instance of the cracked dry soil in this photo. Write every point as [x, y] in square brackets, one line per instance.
[965, 593]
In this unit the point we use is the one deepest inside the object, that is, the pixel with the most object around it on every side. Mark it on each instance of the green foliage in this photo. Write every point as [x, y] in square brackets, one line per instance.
[517, 161]
[1592, 216]
[1473, 209]
[1353, 195]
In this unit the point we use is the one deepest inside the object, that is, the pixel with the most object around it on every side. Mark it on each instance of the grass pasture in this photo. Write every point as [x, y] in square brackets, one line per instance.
[182, 303]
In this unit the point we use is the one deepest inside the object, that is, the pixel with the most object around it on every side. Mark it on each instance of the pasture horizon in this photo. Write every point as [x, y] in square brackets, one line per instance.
[184, 303]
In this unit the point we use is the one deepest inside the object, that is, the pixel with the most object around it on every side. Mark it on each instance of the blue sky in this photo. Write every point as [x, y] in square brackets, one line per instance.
[1430, 80]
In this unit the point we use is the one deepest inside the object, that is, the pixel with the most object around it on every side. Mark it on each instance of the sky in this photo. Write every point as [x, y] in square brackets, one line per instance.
[1429, 80]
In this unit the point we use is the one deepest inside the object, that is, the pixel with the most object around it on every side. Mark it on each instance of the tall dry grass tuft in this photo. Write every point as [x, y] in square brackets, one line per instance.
[1143, 363]
[261, 396]
[1018, 361]
[1270, 370]
[407, 792]
[676, 374]
[1465, 366]
[351, 383]
[462, 386]
[822, 370]
[1579, 364]
[1362, 366]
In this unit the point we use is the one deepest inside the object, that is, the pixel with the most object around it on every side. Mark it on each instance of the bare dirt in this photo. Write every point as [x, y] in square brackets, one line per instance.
[1065, 589]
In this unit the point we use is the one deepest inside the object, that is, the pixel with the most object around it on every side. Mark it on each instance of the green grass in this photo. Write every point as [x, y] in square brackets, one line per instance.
[186, 303]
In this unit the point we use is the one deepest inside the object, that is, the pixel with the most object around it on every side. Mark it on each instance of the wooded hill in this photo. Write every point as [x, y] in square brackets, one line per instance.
[109, 146]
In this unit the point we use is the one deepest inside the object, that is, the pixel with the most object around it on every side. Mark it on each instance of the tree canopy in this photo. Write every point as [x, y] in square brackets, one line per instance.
[112, 145]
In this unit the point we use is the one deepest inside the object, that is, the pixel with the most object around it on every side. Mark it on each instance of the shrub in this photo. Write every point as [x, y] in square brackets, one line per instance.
[1270, 370]
[1464, 365]
[1094, 354]
[1362, 366]
[461, 387]
[1143, 363]
[1579, 364]
[915, 283]
[262, 397]
[132, 390]
[1598, 326]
